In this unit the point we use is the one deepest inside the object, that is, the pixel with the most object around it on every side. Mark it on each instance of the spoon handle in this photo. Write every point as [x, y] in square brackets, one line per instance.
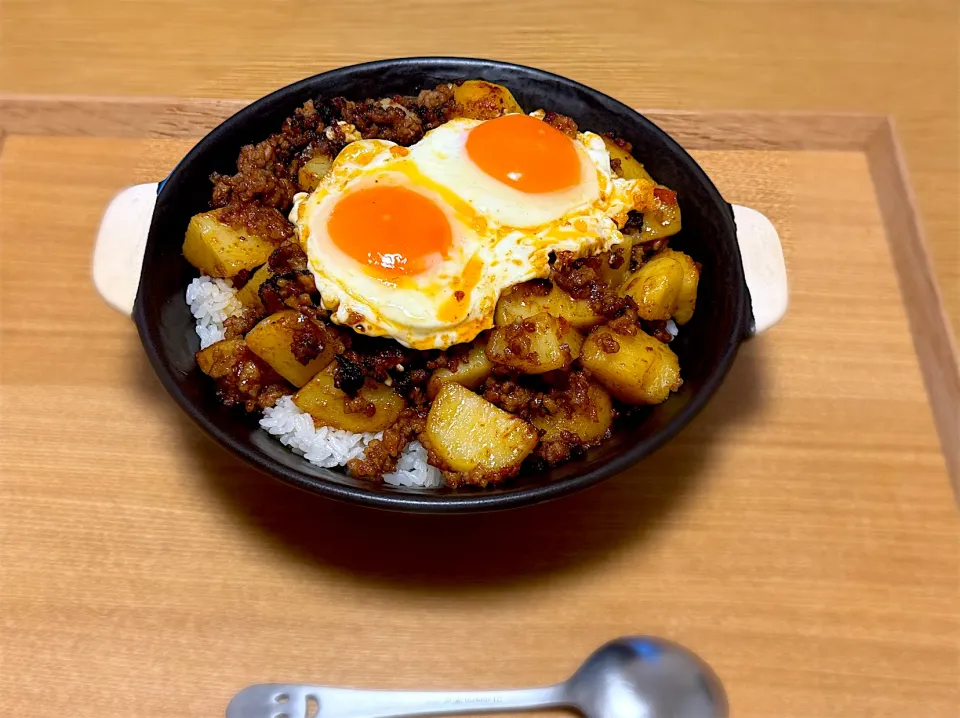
[288, 700]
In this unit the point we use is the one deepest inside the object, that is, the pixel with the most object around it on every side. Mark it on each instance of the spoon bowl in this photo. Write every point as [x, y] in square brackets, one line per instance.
[645, 677]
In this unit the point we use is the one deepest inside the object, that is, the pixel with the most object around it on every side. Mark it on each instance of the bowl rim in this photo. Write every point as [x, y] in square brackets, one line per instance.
[476, 501]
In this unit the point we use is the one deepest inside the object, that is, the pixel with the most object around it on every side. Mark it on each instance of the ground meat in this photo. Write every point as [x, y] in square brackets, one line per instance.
[243, 379]
[377, 357]
[658, 330]
[294, 290]
[288, 257]
[433, 107]
[518, 339]
[381, 454]
[563, 123]
[411, 384]
[642, 251]
[510, 395]
[262, 177]
[264, 222]
[259, 195]
[479, 476]
[607, 344]
[241, 278]
[582, 278]
[569, 397]
[239, 324]
[311, 338]
[616, 258]
[627, 322]
[359, 405]
[560, 448]
[382, 120]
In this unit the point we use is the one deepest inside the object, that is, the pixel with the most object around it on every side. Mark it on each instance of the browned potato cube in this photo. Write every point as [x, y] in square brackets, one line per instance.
[635, 369]
[373, 409]
[481, 100]
[655, 288]
[661, 214]
[273, 339]
[249, 295]
[535, 345]
[466, 433]
[614, 276]
[219, 250]
[589, 421]
[471, 371]
[312, 172]
[630, 167]
[217, 360]
[687, 296]
[530, 298]
[665, 287]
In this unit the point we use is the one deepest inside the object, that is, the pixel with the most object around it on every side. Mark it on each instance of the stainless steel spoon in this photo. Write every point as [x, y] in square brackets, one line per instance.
[631, 677]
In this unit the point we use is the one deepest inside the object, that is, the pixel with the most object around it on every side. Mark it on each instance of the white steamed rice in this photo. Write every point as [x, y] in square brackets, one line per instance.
[328, 447]
[211, 302]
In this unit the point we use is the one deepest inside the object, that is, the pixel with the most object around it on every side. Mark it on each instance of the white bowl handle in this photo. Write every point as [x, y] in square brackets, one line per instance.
[763, 267]
[121, 241]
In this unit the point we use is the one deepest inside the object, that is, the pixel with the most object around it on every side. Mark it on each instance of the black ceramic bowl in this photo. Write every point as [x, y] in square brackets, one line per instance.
[706, 346]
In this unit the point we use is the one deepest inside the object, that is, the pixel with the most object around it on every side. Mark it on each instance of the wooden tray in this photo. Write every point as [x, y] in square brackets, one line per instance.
[800, 535]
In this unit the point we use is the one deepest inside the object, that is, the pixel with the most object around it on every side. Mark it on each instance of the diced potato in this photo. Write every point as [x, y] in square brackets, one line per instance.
[687, 297]
[271, 340]
[535, 345]
[484, 100]
[630, 167]
[466, 433]
[313, 171]
[471, 371]
[635, 369]
[218, 250]
[218, 360]
[665, 287]
[589, 421]
[249, 295]
[614, 276]
[661, 217]
[655, 288]
[329, 406]
[571, 339]
[530, 298]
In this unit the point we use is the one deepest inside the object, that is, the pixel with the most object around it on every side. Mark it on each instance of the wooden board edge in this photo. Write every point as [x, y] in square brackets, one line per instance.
[124, 117]
[758, 130]
[933, 339]
[164, 117]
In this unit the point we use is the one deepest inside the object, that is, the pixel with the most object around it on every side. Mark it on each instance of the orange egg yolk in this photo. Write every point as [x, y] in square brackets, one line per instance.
[392, 229]
[525, 153]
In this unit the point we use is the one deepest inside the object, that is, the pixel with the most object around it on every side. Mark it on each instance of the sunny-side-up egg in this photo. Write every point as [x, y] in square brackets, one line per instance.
[418, 243]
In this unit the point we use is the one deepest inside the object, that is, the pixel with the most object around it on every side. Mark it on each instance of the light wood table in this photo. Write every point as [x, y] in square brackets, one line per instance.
[801, 534]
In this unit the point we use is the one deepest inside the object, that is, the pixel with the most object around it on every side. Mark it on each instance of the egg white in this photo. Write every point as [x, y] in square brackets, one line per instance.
[453, 300]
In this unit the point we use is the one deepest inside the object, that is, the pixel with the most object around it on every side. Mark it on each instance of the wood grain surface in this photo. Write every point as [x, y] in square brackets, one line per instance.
[897, 57]
[800, 534]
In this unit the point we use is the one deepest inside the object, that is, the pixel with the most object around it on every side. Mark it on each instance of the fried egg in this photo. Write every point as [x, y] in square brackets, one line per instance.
[418, 243]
